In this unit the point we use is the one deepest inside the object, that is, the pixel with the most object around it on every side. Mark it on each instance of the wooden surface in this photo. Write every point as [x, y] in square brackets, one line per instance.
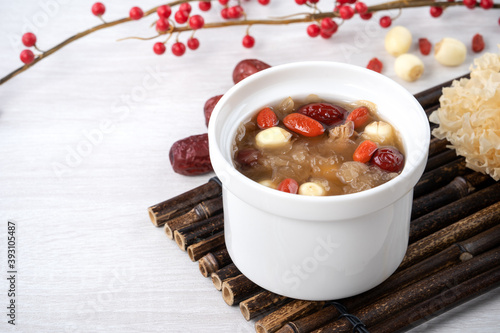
[89, 259]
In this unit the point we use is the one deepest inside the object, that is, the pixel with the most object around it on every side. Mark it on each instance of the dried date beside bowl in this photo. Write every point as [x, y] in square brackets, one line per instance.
[316, 147]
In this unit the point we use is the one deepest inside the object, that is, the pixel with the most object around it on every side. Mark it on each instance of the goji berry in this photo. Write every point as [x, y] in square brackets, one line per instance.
[364, 151]
[325, 113]
[304, 125]
[424, 45]
[375, 65]
[289, 185]
[477, 43]
[359, 116]
[266, 118]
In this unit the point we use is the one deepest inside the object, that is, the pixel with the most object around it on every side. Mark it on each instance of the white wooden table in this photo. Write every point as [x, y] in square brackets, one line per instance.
[84, 142]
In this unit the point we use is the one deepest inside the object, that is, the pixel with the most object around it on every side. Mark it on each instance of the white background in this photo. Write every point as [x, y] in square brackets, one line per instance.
[89, 259]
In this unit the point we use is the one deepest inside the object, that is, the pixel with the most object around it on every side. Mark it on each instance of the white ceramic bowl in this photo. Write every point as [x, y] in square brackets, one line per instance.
[317, 248]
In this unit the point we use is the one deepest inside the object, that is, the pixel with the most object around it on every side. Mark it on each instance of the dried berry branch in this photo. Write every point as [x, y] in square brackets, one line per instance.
[314, 16]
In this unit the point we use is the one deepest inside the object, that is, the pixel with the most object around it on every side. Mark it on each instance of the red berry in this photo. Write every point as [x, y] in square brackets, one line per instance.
[313, 1]
[27, 56]
[326, 34]
[223, 2]
[98, 9]
[205, 5]
[477, 43]
[224, 13]
[424, 45]
[359, 116]
[385, 21]
[289, 185]
[235, 12]
[164, 11]
[304, 125]
[375, 65]
[264, 2]
[313, 30]
[328, 24]
[196, 22]
[300, 2]
[178, 49]
[366, 16]
[193, 43]
[248, 41]
[159, 48]
[388, 159]
[471, 4]
[266, 118]
[185, 7]
[364, 151]
[29, 39]
[162, 25]
[486, 4]
[342, 2]
[181, 16]
[361, 7]
[436, 11]
[346, 12]
[136, 13]
[325, 113]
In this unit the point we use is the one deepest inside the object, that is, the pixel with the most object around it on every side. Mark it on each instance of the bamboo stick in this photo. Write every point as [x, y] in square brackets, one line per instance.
[201, 211]
[198, 250]
[418, 292]
[311, 322]
[444, 216]
[443, 158]
[479, 180]
[162, 212]
[456, 189]
[452, 255]
[261, 303]
[437, 146]
[463, 229]
[223, 274]
[213, 261]
[238, 288]
[440, 176]
[290, 311]
[443, 301]
[198, 231]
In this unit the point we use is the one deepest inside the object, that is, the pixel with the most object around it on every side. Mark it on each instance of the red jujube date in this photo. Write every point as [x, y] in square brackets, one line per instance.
[325, 113]
[209, 107]
[247, 67]
[190, 156]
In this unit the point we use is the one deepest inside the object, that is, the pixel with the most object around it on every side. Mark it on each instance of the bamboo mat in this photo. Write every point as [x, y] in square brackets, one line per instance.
[453, 256]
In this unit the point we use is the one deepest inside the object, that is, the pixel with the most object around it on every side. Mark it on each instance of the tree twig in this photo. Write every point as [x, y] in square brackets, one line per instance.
[306, 17]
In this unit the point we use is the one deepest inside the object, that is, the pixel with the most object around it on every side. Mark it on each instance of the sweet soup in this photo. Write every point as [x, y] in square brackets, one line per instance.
[314, 147]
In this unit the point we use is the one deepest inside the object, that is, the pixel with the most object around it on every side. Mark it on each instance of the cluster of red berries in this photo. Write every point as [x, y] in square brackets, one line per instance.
[346, 9]
[436, 11]
[165, 25]
[29, 40]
